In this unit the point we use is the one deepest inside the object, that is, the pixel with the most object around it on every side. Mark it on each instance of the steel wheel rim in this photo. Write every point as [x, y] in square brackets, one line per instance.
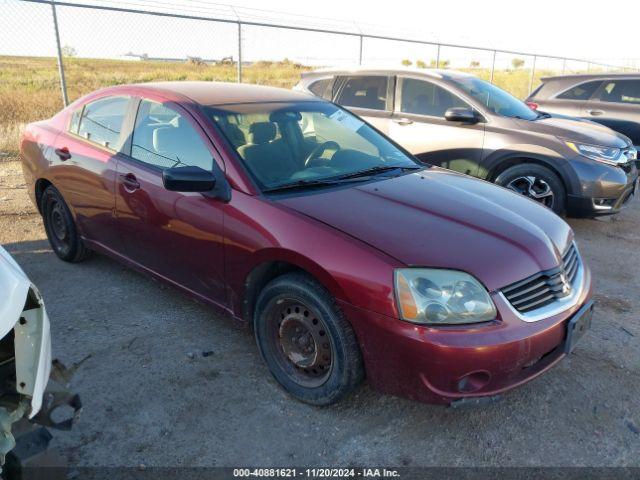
[58, 227]
[535, 188]
[301, 342]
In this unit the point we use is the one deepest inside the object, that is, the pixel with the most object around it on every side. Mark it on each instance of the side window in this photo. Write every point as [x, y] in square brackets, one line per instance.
[365, 92]
[101, 121]
[580, 92]
[75, 120]
[425, 98]
[323, 88]
[164, 138]
[620, 91]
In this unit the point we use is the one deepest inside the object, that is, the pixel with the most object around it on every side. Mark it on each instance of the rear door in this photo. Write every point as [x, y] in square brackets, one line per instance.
[369, 96]
[571, 101]
[178, 236]
[419, 125]
[616, 104]
[84, 166]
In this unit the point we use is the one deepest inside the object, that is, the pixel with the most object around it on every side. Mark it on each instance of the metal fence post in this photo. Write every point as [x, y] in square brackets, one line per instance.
[533, 72]
[588, 67]
[360, 56]
[239, 52]
[493, 66]
[438, 57]
[63, 82]
[564, 65]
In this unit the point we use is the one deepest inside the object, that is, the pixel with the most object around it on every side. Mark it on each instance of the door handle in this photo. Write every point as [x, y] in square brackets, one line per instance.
[403, 121]
[595, 113]
[130, 182]
[63, 153]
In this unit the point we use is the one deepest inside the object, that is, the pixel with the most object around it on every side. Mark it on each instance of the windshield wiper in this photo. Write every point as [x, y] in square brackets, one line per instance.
[304, 184]
[542, 115]
[367, 172]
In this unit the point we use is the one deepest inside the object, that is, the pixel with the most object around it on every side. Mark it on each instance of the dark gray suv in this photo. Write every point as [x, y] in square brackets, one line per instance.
[610, 99]
[460, 122]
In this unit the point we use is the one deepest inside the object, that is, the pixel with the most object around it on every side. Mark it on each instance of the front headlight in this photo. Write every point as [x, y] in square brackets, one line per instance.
[441, 297]
[610, 155]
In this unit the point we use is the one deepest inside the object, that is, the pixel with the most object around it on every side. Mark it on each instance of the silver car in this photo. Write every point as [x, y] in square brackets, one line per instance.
[609, 99]
[460, 122]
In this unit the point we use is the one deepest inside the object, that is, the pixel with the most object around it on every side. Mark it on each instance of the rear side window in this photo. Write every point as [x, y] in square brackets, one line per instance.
[425, 98]
[584, 91]
[322, 88]
[365, 92]
[620, 91]
[164, 138]
[101, 121]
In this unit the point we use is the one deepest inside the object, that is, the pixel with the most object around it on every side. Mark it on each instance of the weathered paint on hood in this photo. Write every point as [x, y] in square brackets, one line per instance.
[437, 218]
[576, 130]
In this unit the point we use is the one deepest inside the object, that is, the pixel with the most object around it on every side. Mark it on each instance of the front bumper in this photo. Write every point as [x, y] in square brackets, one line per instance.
[604, 189]
[444, 364]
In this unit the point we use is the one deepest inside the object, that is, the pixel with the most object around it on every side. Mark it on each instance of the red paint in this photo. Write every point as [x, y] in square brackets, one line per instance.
[350, 239]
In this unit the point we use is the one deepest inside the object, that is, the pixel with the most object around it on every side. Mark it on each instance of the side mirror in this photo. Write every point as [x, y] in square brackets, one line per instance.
[462, 114]
[188, 179]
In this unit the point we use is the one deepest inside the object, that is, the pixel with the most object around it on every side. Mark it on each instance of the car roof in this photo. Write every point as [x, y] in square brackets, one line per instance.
[590, 76]
[386, 70]
[222, 93]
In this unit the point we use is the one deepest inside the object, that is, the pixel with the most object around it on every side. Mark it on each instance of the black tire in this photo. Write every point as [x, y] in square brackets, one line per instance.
[535, 179]
[325, 331]
[61, 228]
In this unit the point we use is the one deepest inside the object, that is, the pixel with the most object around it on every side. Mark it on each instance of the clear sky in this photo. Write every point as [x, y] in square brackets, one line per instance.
[598, 31]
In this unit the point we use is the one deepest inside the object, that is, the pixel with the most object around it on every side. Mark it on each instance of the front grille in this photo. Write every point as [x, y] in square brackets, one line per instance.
[545, 287]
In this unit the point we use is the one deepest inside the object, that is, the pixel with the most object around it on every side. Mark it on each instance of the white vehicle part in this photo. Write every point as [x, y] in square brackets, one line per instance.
[32, 340]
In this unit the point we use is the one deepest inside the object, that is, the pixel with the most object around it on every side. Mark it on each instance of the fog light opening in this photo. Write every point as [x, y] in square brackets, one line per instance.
[603, 203]
[473, 382]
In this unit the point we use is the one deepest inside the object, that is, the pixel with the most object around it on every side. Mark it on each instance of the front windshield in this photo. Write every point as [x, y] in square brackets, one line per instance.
[495, 99]
[304, 142]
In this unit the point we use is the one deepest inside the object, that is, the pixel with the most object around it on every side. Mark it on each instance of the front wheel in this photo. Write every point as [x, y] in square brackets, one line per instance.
[309, 347]
[536, 182]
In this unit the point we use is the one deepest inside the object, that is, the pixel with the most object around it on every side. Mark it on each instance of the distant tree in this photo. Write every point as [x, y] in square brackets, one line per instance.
[421, 64]
[516, 63]
[406, 62]
[442, 64]
[474, 64]
[69, 51]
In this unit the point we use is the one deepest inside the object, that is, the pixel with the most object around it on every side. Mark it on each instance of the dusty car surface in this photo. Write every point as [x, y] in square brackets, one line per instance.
[25, 369]
[346, 255]
[458, 121]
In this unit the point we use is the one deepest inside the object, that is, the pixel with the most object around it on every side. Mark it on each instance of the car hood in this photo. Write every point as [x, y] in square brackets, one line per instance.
[437, 218]
[576, 130]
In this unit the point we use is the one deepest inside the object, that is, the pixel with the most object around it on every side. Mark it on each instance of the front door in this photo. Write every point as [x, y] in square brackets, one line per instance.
[419, 125]
[178, 236]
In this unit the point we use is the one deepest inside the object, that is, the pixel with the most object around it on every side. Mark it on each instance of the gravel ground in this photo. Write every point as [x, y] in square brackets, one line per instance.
[151, 397]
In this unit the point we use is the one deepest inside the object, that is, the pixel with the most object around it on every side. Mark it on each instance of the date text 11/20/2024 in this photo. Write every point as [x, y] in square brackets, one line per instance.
[316, 473]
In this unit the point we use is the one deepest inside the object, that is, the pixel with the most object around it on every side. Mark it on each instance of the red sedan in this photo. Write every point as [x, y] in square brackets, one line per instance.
[346, 255]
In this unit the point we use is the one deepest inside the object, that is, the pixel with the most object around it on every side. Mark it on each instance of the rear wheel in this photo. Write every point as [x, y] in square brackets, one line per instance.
[309, 347]
[60, 227]
[536, 182]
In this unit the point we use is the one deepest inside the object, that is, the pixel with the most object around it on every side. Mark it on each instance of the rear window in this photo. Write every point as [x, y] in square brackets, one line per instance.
[365, 92]
[101, 121]
[584, 91]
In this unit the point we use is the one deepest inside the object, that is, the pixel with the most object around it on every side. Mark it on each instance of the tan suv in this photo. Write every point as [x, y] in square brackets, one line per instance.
[460, 122]
[609, 99]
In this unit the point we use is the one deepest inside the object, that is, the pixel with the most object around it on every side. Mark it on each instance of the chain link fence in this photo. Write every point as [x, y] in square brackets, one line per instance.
[52, 52]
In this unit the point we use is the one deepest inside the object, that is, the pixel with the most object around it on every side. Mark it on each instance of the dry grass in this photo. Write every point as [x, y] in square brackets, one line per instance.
[30, 88]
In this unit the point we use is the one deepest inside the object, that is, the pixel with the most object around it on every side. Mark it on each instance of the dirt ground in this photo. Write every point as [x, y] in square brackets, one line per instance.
[152, 398]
